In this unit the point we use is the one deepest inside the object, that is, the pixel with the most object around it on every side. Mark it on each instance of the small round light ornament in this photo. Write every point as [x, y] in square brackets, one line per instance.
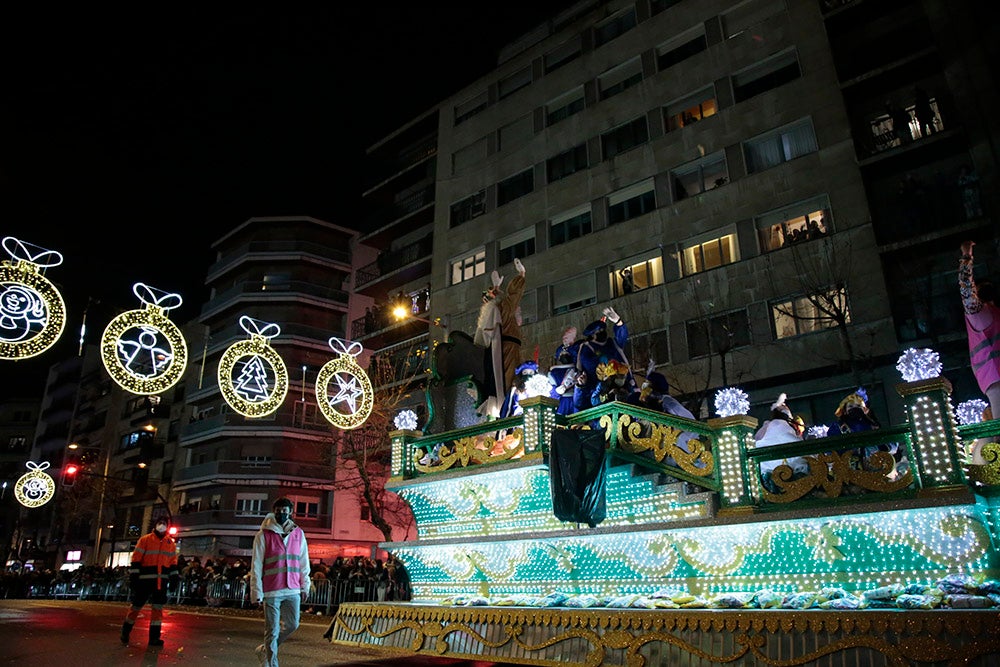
[143, 351]
[32, 312]
[252, 376]
[36, 487]
[343, 391]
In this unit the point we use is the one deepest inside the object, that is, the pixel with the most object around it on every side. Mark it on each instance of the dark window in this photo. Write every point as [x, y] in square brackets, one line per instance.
[620, 78]
[569, 229]
[564, 110]
[624, 137]
[466, 209]
[772, 148]
[632, 207]
[674, 55]
[516, 186]
[765, 76]
[657, 6]
[704, 174]
[566, 163]
[615, 27]
[521, 249]
[470, 107]
[719, 334]
[514, 82]
[563, 54]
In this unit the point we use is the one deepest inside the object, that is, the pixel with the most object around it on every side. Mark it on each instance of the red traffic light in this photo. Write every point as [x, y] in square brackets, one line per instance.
[172, 531]
[69, 474]
[71, 470]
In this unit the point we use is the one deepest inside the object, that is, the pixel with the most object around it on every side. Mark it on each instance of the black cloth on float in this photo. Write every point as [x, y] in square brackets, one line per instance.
[576, 471]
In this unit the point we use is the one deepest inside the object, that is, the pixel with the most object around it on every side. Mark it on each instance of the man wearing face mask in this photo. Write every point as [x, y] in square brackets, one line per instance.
[279, 578]
[599, 349]
[153, 571]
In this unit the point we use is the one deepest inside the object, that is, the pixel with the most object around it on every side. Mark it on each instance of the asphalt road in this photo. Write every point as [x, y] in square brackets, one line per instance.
[65, 633]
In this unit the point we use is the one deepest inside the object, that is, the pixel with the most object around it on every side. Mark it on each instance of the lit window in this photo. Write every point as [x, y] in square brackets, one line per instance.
[570, 225]
[815, 312]
[251, 504]
[636, 274]
[699, 176]
[690, 109]
[73, 556]
[804, 221]
[717, 252]
[574, 293]
[468, 267]
[781, 145]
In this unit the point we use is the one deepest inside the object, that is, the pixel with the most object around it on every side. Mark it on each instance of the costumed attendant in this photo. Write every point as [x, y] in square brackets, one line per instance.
[498, 329]
[655, 395]
[982, 322]
[512, 403]
[781, 428]
[153, 570]
[563, 372]
[599, 348]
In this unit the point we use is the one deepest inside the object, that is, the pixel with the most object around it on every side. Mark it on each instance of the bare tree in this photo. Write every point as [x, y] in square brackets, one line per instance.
[363, 456]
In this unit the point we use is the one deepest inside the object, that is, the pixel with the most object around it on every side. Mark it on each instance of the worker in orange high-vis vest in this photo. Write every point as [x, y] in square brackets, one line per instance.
[279, 577]
[153, 572]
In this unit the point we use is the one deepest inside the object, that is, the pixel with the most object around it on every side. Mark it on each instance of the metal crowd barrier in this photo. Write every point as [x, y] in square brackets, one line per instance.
[325, 597]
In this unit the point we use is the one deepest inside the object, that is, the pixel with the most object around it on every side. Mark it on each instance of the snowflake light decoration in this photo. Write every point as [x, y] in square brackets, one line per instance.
[818, 431]
[406, 420]
[922, 364]
[538, 385]
[731, 401]
[971, 412]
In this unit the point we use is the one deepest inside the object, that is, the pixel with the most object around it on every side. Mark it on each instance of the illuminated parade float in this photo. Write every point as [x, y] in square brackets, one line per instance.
[863, 549]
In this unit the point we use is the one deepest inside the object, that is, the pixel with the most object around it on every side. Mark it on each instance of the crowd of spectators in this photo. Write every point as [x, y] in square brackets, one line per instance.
[216, 582]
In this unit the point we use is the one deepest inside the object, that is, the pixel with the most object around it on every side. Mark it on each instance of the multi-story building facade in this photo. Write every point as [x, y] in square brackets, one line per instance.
[293, 272]
[18, 417]
[731, 157]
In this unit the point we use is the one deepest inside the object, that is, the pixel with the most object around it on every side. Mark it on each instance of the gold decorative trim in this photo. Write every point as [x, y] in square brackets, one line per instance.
[831, 471]
[537, 636]
[640, 435]
[474, 449]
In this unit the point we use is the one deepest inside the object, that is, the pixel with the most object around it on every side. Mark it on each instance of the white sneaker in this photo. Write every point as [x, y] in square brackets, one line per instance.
[261, 655]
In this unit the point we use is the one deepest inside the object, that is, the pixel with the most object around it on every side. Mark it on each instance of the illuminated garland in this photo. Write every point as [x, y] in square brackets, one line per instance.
[143, 351]
[252, 376]
[351, 401]
[32, 311]
[35, 488]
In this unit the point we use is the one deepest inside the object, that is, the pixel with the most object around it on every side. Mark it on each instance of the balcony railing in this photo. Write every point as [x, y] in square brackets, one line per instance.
[232, 420]
[402, 208]
[253, 470]
[273, 288]
[279, 248]
[388, 262]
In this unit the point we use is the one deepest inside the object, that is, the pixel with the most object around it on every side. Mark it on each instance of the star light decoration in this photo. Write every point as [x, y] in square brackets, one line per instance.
[923, 364]
[252, 376]
[406, 420]
[143, 351]
[35, 488]
[32, 311]
[348, 404]
[971, 412]
[731, 401]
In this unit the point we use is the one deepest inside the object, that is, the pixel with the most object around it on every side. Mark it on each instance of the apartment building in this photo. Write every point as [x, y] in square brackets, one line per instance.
[732, 157]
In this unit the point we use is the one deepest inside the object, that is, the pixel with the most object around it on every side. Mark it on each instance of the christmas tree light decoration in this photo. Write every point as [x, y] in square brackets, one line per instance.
[731, 401]
[35, 488]
[406, 420]
[252, 376]
[349, 403]
[32, 311]
[971, 412]
[922, 364]
[143, 351]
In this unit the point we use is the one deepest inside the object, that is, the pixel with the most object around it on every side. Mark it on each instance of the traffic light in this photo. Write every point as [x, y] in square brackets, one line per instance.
[69, 474]
[172, 531]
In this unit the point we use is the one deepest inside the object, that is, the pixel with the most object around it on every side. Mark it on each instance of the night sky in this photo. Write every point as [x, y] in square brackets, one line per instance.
[129, 142]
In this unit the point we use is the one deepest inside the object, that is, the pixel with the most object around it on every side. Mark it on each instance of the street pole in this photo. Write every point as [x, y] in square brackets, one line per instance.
[100, 507]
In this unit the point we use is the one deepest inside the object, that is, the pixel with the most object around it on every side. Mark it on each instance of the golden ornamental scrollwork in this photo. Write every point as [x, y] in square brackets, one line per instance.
[831, 472]
[901, 638]
[638, 436]
[988, 474]
[473, 449]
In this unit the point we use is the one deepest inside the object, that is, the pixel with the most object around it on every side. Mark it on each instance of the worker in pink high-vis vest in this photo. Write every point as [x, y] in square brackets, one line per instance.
[279, 578]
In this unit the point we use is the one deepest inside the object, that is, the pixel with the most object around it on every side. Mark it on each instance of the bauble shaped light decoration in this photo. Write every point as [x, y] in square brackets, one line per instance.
[343, 391]
[35, 487]
[252, 376]
[143, 351]
[406, 420]
[971, 411]
[32, 311]
[922, 364]
[731, 401]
